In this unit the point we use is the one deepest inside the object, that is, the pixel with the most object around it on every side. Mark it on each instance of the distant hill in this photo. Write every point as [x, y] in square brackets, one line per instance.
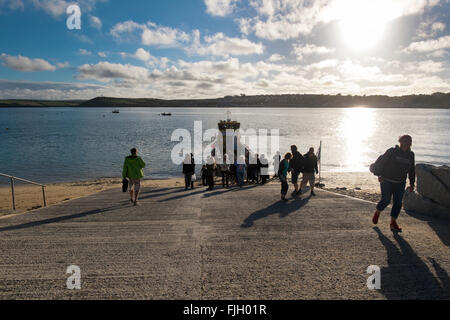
[434, 101]
[39, 103]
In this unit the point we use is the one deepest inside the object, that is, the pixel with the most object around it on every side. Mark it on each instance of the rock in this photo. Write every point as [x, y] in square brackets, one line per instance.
[443, 174]
[415, 202]
[433, 183]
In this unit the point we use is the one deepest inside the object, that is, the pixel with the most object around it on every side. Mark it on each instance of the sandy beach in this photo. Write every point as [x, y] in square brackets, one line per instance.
[356, 184]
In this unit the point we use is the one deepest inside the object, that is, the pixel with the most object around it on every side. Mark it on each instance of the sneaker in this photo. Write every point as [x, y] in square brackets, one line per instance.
[313, 194]
[283, 198]
[395, 227]
[132, 201]
[376, 216]
[136, 203]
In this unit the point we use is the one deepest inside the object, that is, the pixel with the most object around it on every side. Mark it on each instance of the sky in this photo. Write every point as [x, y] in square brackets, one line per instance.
[213, 48]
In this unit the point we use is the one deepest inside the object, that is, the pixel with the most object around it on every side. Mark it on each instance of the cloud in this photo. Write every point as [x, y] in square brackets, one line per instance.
[145, 56]
[102, 54]
[150, 34]
[275, 57]
[430, 45]
[310, 49]
[95, 22]
[288, 19]
[106, 71]
[25, 64]
[221, 45]
[220, 8]
[84, 52]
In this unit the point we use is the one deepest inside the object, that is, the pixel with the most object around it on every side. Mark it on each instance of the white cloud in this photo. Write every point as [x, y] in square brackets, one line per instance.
[58, 8]
[84, 52]
[220, 8]
[106, 71]
[150, 34]
[288, 19]
[102, 54]
[310, 49]
[95, 22]
[25, 64]
[429, 45]
[221, 45]
[275, 57]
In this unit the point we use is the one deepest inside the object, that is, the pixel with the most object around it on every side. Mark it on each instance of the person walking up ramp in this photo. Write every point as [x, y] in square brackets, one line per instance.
[133, 170]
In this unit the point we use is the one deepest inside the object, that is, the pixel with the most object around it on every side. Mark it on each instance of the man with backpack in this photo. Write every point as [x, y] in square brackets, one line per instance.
[392, 169]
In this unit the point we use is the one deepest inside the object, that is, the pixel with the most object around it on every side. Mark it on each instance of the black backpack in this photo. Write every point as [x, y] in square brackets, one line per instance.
[124, 185]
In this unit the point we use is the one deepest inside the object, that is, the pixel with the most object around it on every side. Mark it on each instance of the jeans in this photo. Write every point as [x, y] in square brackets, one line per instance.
[225, 178]
[284, 185]
[240, 177]
[389, 190]
[188, 180]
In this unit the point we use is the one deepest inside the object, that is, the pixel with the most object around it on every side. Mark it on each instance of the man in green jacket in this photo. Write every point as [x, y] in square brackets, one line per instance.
[132, 169]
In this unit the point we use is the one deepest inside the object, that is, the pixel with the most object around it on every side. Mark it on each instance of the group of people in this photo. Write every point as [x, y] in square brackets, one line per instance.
[296, 163]
[252, 168]
[392, 170]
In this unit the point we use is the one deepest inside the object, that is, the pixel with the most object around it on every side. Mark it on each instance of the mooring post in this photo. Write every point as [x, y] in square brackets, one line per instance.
[43, 194]
[12, 192]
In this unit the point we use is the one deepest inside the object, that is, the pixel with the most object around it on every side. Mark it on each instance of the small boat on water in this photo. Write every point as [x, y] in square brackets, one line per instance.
[166, 114]
[116, 111]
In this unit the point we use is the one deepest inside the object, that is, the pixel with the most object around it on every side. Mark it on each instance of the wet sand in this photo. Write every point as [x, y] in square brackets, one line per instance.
[361, 185]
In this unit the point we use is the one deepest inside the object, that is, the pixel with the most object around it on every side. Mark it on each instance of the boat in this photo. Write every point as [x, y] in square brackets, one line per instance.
[116, 111]
[166, 114]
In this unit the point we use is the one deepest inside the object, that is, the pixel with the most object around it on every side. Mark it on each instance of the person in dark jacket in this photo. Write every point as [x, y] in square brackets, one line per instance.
[264, 169]
[282, 174]
[394, 167]
[310, 169]
[188, 171]
[204, 175]
[296, 166]
[210, 171]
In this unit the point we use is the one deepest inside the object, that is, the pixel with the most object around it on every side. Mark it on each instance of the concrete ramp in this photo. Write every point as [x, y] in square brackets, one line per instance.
[223, 244]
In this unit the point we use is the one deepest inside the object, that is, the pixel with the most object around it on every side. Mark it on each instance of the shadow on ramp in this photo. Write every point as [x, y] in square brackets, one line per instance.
[407, 276]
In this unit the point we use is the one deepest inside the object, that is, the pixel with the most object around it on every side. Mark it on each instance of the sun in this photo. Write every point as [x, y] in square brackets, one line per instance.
[362, 23]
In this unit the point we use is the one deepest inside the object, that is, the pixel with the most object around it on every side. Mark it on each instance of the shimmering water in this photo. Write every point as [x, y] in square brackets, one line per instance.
[67, 144]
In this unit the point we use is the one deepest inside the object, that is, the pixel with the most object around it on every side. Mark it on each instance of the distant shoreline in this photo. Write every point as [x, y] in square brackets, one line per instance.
[433, 101]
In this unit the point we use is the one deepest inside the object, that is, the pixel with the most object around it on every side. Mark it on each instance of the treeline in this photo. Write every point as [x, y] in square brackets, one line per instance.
[436, 100]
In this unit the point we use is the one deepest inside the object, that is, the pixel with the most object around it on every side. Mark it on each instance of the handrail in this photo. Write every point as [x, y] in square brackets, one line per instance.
[12, 178]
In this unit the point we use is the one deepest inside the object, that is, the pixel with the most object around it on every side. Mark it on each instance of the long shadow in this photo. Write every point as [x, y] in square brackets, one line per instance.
[183, 194]
[440, 226]
[282, 208]
[158, 193]
[407, 276]
[58, 219]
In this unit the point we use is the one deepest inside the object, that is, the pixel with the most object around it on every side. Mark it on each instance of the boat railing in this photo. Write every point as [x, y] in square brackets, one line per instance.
[12, 179]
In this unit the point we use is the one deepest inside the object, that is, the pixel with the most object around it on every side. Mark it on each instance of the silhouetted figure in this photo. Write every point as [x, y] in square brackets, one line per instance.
[392, 169]
[204, 175]
[240, 171]
[210, 170]
[188, 171]
[264, 169]
[310, 169]
[296, 166]
[276, 163]
[282, 174]
[225, 171]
